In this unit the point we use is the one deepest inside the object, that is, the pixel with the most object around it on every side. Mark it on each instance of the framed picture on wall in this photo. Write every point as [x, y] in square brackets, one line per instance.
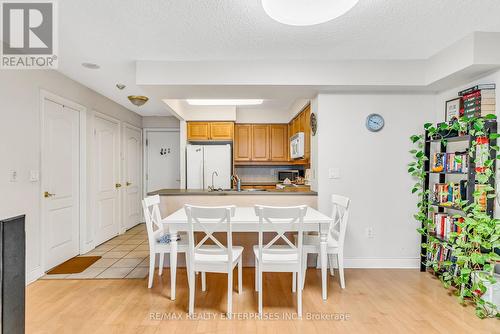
[452, 109]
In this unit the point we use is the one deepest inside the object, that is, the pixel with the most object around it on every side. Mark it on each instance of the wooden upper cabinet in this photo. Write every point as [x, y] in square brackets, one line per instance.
[279, 142]
[302, 121]
[242, 142]
[221, 130]
[260, 142]
[198, 131]
[295, 126]
[202, 131]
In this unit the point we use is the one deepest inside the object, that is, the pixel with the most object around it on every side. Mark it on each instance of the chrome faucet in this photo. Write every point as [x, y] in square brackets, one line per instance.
[212, 188]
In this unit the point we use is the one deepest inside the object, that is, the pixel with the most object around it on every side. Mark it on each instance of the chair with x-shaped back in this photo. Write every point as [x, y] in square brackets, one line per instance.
[215, 257]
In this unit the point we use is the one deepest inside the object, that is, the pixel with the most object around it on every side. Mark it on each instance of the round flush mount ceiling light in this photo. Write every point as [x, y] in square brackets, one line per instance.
[306, 12]
[91, 66]
[138, 100]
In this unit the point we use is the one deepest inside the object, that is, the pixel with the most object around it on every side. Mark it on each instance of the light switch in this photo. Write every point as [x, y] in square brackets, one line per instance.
[34, 176]
[333, 173]
[13, 176]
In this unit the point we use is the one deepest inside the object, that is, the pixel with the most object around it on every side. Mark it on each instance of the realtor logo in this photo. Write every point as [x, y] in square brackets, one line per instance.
[29, 35]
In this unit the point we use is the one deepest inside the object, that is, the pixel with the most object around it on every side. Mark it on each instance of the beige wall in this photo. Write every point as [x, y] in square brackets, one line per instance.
[20, 143]
[160, 122]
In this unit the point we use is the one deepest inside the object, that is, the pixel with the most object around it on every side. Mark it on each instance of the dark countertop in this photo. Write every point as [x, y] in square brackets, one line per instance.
[198, 192]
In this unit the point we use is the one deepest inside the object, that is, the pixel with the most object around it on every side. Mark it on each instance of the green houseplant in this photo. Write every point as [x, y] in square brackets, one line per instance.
[474, 246]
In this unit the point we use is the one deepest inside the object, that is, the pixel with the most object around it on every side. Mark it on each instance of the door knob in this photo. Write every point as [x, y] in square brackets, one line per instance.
[47, 194]
[129, 184]
[118, 185]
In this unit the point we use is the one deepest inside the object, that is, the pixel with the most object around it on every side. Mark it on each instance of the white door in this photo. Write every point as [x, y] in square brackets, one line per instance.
[60, 183]
[132, 162]
[163, 160]
[194, 167]
[106, 158]
[217, 166]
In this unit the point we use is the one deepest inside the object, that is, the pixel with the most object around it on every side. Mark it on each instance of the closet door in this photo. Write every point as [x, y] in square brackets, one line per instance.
[132, 171]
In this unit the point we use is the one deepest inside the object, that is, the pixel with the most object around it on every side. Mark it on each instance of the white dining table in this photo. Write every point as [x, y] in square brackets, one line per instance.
[245, 220]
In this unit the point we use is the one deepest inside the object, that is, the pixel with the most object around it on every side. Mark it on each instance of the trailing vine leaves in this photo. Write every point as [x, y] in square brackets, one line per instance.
[474, 247]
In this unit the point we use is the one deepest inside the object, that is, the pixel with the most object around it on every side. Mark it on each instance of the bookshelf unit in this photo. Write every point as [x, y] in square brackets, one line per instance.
[470, 175]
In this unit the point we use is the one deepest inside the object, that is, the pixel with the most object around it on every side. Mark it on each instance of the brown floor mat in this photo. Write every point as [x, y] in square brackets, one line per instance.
[74, 266]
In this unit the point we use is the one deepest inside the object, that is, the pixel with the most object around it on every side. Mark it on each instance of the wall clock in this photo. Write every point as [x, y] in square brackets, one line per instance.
[314, 123]
[374, 122]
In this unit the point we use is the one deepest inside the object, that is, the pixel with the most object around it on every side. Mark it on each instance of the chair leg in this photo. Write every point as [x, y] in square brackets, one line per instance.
[340, 260]
[299, 295]
[256, 275]
[240, 275]
[160, 267]
[294, 282]
[330, 263]
[304, 270]
[192, 289]
[229, 294]
[188, 271]
[151, 269]
[260, 292]
[203, 281]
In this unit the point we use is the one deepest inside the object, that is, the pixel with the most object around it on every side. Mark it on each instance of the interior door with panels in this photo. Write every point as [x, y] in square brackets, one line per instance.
[106, 160]
[132, 175]
[60, 182]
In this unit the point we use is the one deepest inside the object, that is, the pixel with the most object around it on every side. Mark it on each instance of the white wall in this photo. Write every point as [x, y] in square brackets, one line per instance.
[20, 143]
[373, 172]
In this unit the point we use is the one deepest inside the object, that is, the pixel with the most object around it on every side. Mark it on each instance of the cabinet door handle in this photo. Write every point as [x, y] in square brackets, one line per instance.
[118, 185]
[47, 194]
[128, 184]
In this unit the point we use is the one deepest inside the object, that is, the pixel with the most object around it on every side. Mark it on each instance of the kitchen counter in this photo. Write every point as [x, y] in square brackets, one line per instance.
[202, 192]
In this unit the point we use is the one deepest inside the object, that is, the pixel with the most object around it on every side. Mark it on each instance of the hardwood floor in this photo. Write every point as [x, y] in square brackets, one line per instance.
[374, 301]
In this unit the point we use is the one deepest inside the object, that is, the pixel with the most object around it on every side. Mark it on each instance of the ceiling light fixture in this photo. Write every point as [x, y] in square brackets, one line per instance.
[224, 102]
[120, 86]
[138, 100]
[91, 66]
[306, 12]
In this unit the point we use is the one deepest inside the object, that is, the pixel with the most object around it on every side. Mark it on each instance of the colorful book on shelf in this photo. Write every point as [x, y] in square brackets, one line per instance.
[456, 162]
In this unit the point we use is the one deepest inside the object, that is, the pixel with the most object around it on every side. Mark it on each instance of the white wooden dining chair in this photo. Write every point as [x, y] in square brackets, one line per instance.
[271, 257]
[156, 229]
[335, 241]
[212, 258]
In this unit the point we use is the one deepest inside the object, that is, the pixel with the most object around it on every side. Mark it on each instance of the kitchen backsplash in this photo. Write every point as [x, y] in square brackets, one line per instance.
[261, 174]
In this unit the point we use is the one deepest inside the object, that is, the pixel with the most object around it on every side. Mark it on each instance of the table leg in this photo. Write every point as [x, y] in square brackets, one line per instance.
[323, 258]
[173, 268]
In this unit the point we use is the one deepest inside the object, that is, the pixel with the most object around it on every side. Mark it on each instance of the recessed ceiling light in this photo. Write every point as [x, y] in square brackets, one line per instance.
[224, 102]
[91, 66]
[306, 12]
[138, 100]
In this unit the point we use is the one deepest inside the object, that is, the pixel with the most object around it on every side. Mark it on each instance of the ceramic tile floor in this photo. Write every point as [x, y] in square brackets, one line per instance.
[125, 256]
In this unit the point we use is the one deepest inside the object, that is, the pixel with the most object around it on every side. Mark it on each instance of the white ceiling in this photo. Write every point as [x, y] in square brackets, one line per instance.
[116, 33]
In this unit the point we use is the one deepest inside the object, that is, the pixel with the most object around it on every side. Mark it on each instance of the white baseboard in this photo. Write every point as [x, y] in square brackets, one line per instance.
[386, 263]
[33, 275]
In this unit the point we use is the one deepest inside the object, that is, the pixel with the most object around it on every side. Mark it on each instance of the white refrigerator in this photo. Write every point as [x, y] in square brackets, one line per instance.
[203, 161]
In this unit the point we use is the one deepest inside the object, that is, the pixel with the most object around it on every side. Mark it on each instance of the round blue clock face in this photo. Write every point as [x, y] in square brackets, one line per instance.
[374, 122]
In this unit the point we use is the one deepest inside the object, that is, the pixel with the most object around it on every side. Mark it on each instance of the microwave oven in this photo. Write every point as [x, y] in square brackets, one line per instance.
[297, 145]
[290, 174]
